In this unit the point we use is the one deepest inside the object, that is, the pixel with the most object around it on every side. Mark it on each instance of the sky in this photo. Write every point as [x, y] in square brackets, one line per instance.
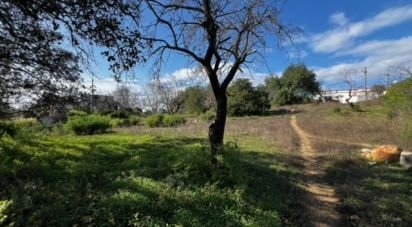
[339, 37]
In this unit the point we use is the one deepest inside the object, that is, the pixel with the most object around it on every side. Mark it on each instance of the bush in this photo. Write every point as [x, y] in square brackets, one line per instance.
[90, 124]
[124, 114]
[356, 108]
[173, 120]
[155, 120]
[76, 113]
[7, 127]
[209, 115]
[133, 120]
[246, 99]
[116, 122]
[337, 109]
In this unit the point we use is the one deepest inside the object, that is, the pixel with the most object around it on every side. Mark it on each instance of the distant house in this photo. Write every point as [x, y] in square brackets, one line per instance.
[358, 95]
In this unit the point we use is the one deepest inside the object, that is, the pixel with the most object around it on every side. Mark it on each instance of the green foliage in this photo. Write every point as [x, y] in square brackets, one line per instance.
[90, 124]
[76, 113]
[379, 195]
[133, 120]
[398, 98]
[407, 132]
[173, 120]
[7, 127]
[160, 120]
[117, 122]
[155, 120]
[194, 98]
[244, 99]
[337, 109]
[122, 179]
[209, 115]
[356, 108]
[297, 85]
[125, 122]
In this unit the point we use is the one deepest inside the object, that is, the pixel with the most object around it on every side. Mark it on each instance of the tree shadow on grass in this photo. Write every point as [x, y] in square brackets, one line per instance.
[372, 195]
[152, 182]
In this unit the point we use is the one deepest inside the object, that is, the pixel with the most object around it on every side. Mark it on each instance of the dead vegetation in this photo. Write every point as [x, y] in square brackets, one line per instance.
[351, 127]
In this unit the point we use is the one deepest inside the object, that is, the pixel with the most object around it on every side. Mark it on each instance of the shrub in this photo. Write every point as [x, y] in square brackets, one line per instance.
[124, 114]
[116, 122]
[90, 124]
[76, 113]
[356, 108]
[209, 115]
[337, 109]
[133, 120]
[155, 120]
[173, 120]
[7, 127]
[246, 99]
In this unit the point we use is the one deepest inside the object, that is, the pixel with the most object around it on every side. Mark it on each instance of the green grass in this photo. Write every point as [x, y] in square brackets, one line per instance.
[144, 180]
[372, 195]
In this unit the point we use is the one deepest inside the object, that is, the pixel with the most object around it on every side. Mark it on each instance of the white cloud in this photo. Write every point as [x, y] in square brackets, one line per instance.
[344, 35]
[339, 18]
[378, 57]
[106, 86]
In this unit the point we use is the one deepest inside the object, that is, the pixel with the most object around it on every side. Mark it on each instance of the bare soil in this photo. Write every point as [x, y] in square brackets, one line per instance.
[322, 201]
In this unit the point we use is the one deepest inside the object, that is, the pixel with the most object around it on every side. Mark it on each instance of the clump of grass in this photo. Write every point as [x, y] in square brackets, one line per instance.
[90, 124]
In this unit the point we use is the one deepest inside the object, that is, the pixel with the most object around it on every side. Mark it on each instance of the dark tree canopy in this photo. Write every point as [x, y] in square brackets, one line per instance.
[38, 39]
[297, 85]
[246, 99]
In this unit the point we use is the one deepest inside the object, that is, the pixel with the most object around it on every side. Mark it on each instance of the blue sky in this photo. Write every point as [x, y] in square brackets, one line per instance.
[339, 36]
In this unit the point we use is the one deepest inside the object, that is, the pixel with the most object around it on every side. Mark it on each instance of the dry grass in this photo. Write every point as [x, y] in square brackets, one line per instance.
[274, 131]
[352, 127]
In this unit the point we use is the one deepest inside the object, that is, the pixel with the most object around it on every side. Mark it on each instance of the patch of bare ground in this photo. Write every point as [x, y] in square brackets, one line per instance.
[321, 201]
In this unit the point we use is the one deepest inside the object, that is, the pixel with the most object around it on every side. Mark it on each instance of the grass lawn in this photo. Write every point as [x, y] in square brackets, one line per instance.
[150, 179]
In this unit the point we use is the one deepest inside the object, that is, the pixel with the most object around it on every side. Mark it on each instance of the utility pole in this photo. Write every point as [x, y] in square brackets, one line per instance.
[91, 98]
[387, 81]
[365, 71]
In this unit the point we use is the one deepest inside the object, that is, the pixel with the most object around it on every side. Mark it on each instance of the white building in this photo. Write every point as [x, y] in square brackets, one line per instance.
[358, 95]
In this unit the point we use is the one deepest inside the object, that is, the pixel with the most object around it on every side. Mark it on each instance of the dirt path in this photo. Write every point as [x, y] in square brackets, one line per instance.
[322, 201]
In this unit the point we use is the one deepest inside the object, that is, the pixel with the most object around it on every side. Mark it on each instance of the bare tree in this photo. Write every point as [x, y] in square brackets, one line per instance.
[220, 36]
[351, 84]
[123, 95]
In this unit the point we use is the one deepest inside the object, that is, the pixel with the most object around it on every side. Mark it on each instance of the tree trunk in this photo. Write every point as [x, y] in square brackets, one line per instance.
[217, 128]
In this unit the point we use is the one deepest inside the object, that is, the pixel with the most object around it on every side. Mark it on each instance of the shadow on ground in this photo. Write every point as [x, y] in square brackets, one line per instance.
[114, 180]
[372, 195]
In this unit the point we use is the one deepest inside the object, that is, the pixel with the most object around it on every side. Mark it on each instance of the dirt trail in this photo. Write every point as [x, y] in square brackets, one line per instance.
[322, 200]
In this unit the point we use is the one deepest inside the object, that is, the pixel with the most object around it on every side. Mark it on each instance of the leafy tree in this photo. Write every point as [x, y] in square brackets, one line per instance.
[297, 85]
[399, 97]
[272, 86]
[33, 63]
[194, 98]
[247, 100]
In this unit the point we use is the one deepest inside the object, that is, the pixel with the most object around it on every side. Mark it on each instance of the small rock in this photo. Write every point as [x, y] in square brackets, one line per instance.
[406, 159]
